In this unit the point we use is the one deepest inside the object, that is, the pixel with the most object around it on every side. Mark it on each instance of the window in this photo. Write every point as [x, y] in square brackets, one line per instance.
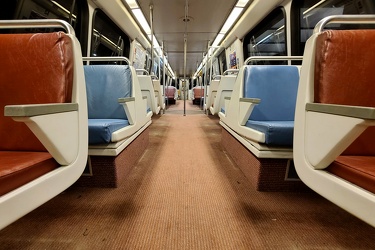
[107, 38]
[74, 12]
[267, 38]
[307, 13]
[222, 62]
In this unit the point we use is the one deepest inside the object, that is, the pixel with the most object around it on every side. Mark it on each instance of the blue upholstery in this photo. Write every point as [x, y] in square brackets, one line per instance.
[277, 132]
[100, 130]
[276, 86]
[105, 84]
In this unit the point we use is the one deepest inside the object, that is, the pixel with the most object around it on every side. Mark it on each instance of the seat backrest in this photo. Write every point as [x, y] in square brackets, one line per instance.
[147, 89]
[28, 80]
[198, 92]
[211, 90]
[170, 91]
[104, 85]
[276, 87]
[224, 90]
[345, 76]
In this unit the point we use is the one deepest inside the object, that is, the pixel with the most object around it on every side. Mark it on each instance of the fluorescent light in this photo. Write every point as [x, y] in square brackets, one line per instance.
[218, 39]
[231, 19]
[242, 3]
[156, 44]
[142, 20]
[132, 4]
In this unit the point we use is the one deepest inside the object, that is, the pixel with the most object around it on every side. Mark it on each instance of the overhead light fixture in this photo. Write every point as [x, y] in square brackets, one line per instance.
[242, 3]
[142, 20]
[132, 4]
[137, 12]
[232, 18]
[218, 39]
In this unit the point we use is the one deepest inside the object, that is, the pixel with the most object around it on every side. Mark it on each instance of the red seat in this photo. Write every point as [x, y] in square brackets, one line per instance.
[43, 123]
[334, 127]
[336, 83]
[26, 78]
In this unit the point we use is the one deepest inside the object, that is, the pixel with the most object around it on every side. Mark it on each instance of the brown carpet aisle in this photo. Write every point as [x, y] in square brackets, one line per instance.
[185, 193]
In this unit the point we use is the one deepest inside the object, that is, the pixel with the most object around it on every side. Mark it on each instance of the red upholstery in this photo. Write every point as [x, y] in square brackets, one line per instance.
[34, 68]
[170, 92]
[198, 92]
[344, 74]
[344, 67]
[19, 168]
[359, 170]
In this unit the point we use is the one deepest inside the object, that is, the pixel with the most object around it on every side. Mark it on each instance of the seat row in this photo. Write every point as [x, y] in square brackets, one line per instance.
[66, 118]
[318, 117]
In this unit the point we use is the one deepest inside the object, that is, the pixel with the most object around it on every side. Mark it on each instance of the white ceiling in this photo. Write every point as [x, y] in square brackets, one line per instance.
[207, 18]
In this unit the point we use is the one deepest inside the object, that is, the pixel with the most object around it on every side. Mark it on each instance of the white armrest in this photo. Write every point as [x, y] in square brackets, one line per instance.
[246, 107]
[343, 110]
[333, 129]
[55, 125]
[129, 106]
[38, 109]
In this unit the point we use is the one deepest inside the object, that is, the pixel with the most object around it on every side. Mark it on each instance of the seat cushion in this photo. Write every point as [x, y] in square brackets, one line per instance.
[100, 130]
[278, 133]
[19, 168]
[359, 170]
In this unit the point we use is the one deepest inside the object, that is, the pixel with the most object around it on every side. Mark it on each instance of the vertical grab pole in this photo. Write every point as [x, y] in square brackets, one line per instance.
[164, 75]
[205, 83]
[152, 36]
[185, 49]
[184, 82]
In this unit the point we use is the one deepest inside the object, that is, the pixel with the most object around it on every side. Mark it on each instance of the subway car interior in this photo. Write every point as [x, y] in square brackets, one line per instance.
[187, 124]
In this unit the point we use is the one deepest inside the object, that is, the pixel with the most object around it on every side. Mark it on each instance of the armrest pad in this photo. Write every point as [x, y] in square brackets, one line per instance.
[39, 109]
[342, 110]
[246, 107]
[252, 100]
[126, 99]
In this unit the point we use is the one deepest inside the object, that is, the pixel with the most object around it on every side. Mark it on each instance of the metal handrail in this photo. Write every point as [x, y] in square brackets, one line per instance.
[271, 58]
[37, 23]
[154, 77]
[345, 19]
[230, 71]
[106, 59]
[142, 71]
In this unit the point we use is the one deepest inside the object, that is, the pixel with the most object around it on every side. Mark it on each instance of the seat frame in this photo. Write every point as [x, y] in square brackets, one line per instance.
[136, 111]
[62, 128]
[311, 156]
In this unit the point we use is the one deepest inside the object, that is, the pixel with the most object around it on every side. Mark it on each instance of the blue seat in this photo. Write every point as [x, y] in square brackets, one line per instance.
[105, 85]
[276, 87]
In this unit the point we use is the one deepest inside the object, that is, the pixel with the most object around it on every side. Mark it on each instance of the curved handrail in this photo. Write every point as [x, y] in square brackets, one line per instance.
[142, 71]
[106, 59]
[271, 58]
[352, 19]
[154, 77]
[37, 23]
[231, 71]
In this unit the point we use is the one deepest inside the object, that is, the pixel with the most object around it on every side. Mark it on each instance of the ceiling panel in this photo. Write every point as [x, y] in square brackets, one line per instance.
[206, 20]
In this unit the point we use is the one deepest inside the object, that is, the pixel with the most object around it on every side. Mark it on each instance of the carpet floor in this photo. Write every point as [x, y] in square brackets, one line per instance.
[186, 193]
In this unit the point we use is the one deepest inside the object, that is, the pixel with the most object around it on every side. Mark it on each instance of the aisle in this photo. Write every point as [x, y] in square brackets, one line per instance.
[185, 193]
